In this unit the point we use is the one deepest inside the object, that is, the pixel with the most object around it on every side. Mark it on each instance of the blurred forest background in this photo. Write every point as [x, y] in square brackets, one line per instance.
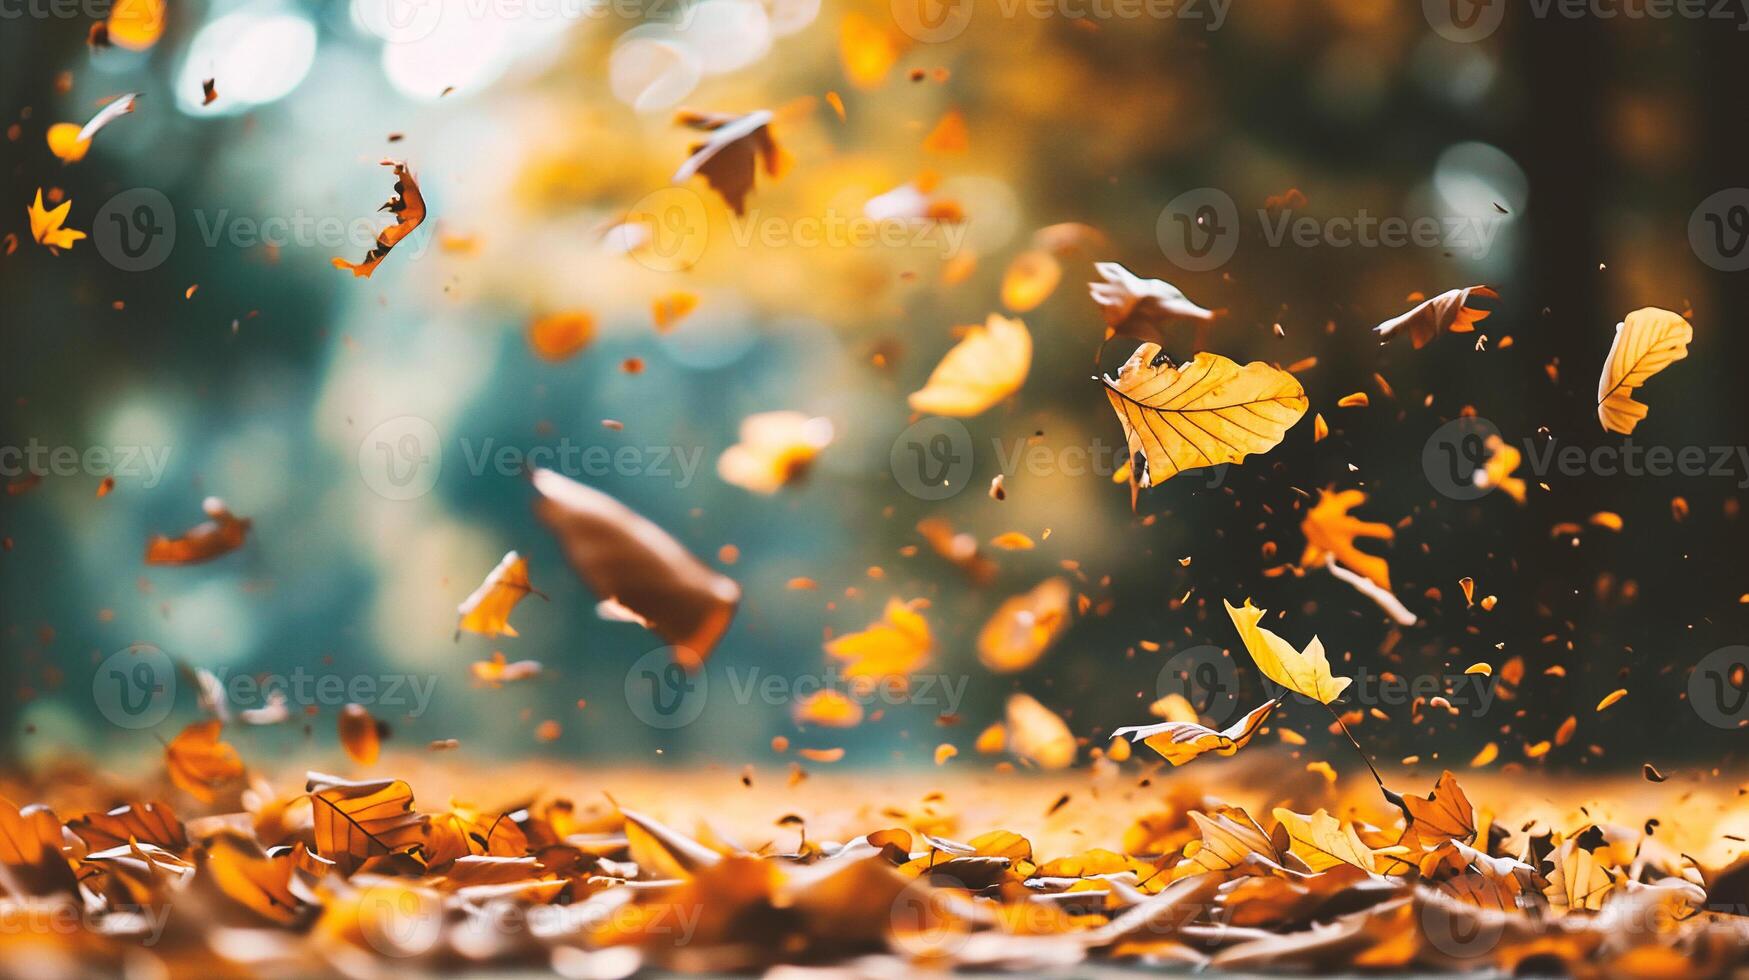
[1585, 145]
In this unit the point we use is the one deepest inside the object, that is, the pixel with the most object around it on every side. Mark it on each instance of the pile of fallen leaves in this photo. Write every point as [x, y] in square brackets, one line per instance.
[355, 877]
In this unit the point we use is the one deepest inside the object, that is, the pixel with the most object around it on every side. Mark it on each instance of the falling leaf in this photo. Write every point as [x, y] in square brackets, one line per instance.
[776, 449]
[1503, 460]
[1206, 412]
[1330, 531]
[199, 763]
[70, 141]
[560, 336]
[949, 134]
[221, 534]
[888, 650]
[1647, 342]
[498, 670]
[1030, 280]
[1037, 734]
[730, 156]
[407, 206]
[1012, 541]
[670, 308]
[987, 365]
[361, 735]
[487, 610]
[1181, 741]
[628, 561]
[867, 49]
[46, 226]
[1024, 627]
[828, 709]
[209, 91]
[1304, 672]
[1611, 698]
[1142, 308]
[1449, 311]
[135, 24]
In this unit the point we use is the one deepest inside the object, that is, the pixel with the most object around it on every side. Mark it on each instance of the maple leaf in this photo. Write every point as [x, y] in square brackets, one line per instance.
[407, 205]
[1181, 741]
[987, 365]
[1647, 342]
[1445, 814]
[1205, 412]
[888, 650]
[1304, 672]
[46, 226]
[1329, 530]
[1449, 311]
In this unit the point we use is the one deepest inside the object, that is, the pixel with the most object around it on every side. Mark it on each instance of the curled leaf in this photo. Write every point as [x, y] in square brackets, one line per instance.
[1647, 342]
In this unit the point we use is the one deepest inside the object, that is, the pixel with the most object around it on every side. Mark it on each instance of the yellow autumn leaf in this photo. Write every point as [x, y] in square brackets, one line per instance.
[71, 141]
[888, 650]
[1038, 735]
[1579, 879]
[867, 49]
[1229, 836]
[776, 449]
[1647, 342]
[1304, 672]
[1024, 627]
[1503, 461]
[1203, 413]
[1324, 842]
[988, 365]
[1030, 280]
[1181, 741]
[46, 225]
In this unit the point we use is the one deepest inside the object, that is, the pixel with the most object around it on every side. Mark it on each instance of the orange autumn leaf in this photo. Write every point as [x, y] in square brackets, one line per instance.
[776, 449]
[828, 709]
[498, 671]
[1445, 814]
[669, 309]
[989, 364]
[1024, 627]
[221, 534]
[135, 24]
[949, 134]
[407, 205]
[150, 823]
[560, 336]
[731, 155]
[1449, 311]
[867, 49]
[199, 763]
[1329, 530]
[47, 225]
[1503, 460]
[1030, 280]
[889, 649]
[361, 735]
[274, 887]
[356, 821]
[30, 850]
[1037, 734]
[487, 610]
[1181, 741]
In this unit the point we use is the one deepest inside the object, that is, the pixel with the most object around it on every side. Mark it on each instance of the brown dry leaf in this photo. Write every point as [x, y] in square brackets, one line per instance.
[1449, 311]
[357, 821]
[1578, 879]
[150, 823]
[1205, 412]
[989, 364]
[221, 534]
[407, 206]
[888, 650]
[1024, 627]
[1142, 308]
[1228, 838]
[361, 735]
[731, 155]
[1647, 342]
[1330, 531]
[71, 141]
[560, 336]
[637, 569]
[199, 763]
[487, 610]
[463, 831]
[776, 449]
[1030, 279]
[1037, 734]
[1181, 741]
[1445, 814]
